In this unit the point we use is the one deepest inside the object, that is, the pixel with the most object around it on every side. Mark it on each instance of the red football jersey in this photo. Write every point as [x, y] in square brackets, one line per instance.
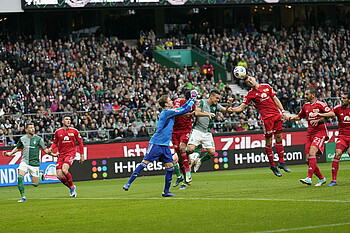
[263, 99]
[66, 141]
[308, 110]
[182, 124]
[343, 115]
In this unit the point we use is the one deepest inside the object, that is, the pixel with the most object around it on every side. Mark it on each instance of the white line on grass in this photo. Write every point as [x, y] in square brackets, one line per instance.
[185, 198]
[304, 228]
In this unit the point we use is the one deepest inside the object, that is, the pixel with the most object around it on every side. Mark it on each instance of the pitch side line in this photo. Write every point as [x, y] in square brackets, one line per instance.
[304, 228]
[184, 198]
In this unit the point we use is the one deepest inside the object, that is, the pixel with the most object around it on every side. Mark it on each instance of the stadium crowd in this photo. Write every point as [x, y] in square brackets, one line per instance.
[112, 87]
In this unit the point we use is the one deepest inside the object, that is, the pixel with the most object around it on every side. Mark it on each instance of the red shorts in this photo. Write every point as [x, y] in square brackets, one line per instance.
[177, 138]
[343, 143]
[317, 141]
[64, 159]
[272, 125]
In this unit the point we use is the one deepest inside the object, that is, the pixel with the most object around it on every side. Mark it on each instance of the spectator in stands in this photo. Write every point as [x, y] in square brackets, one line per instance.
[143, 132]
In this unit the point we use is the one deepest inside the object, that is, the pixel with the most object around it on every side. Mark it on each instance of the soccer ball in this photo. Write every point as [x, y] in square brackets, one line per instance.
[240, 72]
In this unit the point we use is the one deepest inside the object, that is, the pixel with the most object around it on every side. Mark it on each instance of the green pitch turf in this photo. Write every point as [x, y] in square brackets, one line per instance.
[248, 200]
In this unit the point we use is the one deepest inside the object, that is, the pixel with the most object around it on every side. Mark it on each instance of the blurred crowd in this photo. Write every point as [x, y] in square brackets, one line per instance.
[110, 88]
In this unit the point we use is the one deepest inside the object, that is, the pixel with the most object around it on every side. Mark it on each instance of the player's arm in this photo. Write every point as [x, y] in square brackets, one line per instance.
[240, 108]
[280, 106]
[11, 153]
[46, 150]
[326, 114]
[228, 107]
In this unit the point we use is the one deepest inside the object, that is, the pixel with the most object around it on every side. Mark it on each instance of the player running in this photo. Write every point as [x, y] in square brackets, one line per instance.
[271, 111]
[66, 138]
[158, 147]
[201, 132]
[181, 133]
[343, 143]
[317, 133]
[31, 144]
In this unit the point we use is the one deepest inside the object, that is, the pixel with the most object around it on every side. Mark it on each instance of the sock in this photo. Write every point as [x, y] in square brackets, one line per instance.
[69, 180]
[318, 173]
[335, 168]
[64, 181]
[206, 157]
[177, 170]
[20, 185]
[168, 178]
[280, 151]
[269, 153]
[311, 167]
[185, 162]
[137, 171]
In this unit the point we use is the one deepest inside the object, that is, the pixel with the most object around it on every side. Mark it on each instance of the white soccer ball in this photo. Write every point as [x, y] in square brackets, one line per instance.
[240, 72]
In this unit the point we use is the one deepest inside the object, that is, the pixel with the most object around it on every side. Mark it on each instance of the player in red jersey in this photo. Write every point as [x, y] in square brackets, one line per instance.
[180, 136]
[271, 111]
[343, 143]
[317, 133]
[65, 138]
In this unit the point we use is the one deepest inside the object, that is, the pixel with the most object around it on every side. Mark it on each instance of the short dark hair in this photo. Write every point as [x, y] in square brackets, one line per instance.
[163, 100]
[214, 92]
[64, 116]
[312, 90]
[347, 94]
[28, 124]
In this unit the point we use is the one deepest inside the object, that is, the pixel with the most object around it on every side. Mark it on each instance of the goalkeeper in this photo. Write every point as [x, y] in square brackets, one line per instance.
[158, 148]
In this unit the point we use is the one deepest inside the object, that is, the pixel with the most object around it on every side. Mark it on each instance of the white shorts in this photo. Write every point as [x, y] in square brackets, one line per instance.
[206, 139]
[33, 171]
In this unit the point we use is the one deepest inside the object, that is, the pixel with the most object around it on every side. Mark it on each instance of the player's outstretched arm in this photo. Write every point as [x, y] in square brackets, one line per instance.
[5, 153]
[294, 118]
[240, 108]
[49, 152]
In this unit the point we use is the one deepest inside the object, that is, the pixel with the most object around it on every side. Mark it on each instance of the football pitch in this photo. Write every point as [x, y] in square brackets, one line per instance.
[247, 200]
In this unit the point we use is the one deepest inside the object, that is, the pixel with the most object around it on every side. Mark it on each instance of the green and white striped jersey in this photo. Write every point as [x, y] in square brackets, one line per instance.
[31, 149]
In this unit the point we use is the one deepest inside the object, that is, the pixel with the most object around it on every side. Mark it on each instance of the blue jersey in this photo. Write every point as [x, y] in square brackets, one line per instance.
[166, 122]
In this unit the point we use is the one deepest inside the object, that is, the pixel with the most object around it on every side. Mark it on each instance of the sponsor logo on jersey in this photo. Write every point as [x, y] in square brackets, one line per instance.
[70, 134]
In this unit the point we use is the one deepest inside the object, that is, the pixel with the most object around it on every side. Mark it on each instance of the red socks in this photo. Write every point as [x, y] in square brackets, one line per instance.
[280, 151]
[67, 180]
[335, 168]
[269, 153]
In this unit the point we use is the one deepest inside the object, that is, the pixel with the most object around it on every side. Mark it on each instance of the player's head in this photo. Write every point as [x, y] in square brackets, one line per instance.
[310, 93]
[30, 129]
[214, 97]
[165, 102]
[187, 94]
[250, 81]
[345, 99]
[66, 120]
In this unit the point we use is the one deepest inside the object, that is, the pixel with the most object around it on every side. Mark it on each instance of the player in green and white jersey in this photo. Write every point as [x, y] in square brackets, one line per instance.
[31, 144]
[202, 127]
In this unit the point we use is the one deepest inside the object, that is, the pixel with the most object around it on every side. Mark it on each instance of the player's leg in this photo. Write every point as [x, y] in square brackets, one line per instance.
[208, 145]
[184, 157]
[307, 180]
[177, 172]
[280, 151]
[335, 165]
[152, 154]
[35, 174]
[270, 155]
[167, 159]
[69, 180]
[318, 142]
[341, 147]
[21, 173]
[135, 173]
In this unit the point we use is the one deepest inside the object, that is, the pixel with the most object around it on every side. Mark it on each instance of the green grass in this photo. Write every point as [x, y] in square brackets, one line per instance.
[248, 200]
